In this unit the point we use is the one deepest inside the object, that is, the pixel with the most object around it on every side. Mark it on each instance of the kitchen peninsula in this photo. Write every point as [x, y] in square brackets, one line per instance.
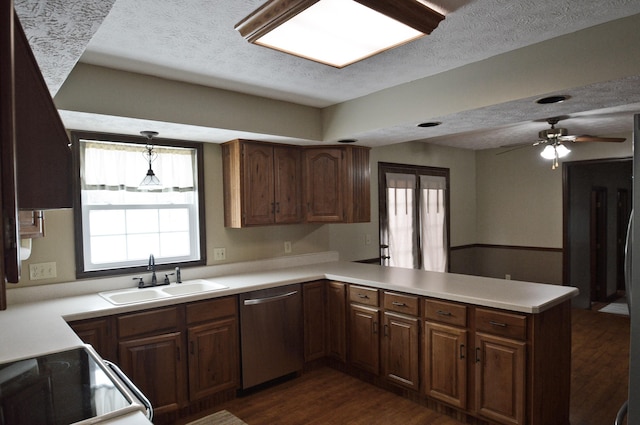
[474, 326]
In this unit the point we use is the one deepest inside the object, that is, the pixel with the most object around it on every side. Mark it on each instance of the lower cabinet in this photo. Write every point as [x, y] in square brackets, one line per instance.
[212, 335]
[176, 355]
[364, 329]
[336, 320]
[156, 365]
[151, 352]
[445, 352]
[400, 344]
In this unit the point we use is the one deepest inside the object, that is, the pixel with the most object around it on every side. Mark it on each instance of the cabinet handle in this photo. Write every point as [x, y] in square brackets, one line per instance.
[363, 296]
[443, 313]
[386, 330]
[500, 324]
[477, 354]
[375, 327]
[399, 304]
[277, 207]
[462, 351]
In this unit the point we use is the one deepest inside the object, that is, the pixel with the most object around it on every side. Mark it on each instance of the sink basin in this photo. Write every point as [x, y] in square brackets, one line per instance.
[133, 296]
[130, 296]
[192, 287]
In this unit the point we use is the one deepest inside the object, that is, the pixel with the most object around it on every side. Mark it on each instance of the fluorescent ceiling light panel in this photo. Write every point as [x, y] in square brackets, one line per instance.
[337, 32]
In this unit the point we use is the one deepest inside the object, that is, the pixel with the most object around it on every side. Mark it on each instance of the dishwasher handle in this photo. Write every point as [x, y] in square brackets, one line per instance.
[255, 301]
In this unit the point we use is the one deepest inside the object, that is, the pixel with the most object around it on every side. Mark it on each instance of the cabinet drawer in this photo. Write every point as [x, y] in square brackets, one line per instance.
[401, 303]
[147, 322]
[203, 311]
[362, 295]
[503, 324]
[445, 312]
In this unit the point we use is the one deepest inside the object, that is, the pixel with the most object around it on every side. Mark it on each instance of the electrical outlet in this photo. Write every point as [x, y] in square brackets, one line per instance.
[219, 254]
[42, 271]
[287, 247]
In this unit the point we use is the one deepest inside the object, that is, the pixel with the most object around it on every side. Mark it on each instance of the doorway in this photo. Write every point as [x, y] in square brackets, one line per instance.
[414, 216]
[593, 237]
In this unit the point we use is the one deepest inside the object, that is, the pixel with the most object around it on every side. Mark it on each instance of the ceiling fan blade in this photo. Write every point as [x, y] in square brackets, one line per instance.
[580, 139]
[514, 148]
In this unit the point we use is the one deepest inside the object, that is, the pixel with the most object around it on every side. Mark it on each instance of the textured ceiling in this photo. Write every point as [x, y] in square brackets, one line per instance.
[194, 41]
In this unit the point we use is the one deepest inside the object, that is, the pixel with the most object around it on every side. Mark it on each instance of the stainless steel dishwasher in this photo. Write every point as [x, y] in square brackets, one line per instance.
[271, 334]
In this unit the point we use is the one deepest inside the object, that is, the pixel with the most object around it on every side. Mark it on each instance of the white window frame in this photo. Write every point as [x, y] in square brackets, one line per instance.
[197, 256]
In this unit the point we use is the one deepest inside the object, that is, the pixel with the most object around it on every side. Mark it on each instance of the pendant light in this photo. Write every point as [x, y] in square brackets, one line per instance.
[150, 181]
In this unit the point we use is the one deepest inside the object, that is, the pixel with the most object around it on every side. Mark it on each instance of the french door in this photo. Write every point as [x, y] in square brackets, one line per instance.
[414, 216]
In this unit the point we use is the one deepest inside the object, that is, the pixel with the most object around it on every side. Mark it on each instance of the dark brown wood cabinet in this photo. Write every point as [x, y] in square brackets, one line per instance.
[400, 344]
[262, 183]
[314, 312]
[445, 352]
[500, 371]
[36, 161]
[212, 336]
[178, 355]
[337, 320]
[100, 334]
[151, 352]
[337, 184]
[364, 329]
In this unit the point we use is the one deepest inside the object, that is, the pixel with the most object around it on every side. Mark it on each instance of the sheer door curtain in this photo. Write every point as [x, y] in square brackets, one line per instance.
[416, 221]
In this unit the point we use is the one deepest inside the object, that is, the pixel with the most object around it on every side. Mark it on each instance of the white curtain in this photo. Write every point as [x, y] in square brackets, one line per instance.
[111, 173]
[402, 228]
[433, 223]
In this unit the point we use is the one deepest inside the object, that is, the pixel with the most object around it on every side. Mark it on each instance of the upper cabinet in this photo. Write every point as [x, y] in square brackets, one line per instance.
[43, 156]
[36, 160]
[337, 184]
[267, 183]
[262, 184]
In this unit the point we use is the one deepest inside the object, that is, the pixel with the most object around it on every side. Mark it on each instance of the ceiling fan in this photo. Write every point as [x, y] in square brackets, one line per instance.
[554, 138]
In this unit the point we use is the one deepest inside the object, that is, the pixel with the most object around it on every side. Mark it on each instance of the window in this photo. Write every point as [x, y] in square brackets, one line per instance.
[414, 206]
[117, 224]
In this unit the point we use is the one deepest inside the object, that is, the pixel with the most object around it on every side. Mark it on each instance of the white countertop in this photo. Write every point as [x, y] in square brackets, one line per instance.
[30, 329]
[34, 328]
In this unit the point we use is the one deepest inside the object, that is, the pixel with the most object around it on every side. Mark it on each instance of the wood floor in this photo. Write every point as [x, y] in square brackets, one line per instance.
[600, 350]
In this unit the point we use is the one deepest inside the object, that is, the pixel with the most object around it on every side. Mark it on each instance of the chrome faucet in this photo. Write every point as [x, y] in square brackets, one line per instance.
[152, 267]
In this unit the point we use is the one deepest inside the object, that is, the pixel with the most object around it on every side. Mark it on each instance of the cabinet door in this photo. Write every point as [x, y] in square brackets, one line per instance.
[287, 167]
[400, 350]
[324, 176]
[314, 320]
[337, 320]
[213, 357]
[500, 378]
[364, 347]
[445, 358]
[98, 333]
[258, 189]
[155, 365]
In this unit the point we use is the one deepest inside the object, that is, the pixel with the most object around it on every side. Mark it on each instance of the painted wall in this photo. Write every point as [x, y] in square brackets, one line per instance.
[351, 240]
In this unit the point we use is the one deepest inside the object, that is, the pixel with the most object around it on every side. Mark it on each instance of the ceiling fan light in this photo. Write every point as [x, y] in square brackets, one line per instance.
[548, 152]
[562, 150]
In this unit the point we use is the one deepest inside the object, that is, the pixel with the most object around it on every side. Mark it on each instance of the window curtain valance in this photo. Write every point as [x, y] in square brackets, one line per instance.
[122, 166]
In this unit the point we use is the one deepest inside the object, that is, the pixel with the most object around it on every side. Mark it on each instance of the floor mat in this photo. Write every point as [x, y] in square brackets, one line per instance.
[616, 308]
[219, 418]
